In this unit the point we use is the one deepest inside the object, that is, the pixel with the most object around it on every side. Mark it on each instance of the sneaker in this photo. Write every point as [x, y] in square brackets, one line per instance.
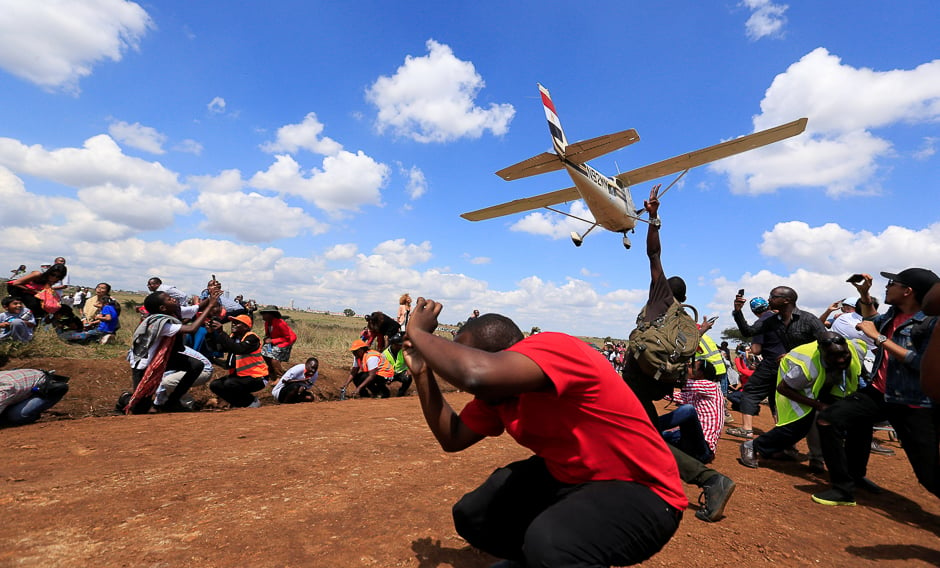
[877, 448]
[834, 497]
[728, 417]
[739, 432]
[868, 486]
[748, 455]
[716, 492]
[255, 403]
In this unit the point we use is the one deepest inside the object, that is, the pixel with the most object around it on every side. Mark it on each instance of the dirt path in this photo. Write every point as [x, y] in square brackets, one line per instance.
[362, 483]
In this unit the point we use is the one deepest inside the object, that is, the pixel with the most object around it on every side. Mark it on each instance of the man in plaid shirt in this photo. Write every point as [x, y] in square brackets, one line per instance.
[26, 393]
[700, 416]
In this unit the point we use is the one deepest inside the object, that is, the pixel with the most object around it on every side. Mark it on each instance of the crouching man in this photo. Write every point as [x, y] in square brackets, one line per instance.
[248, 373]
[27, 393]
[602, 488]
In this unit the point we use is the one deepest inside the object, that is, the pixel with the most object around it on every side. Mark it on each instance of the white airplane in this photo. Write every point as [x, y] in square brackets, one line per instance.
[608, 198]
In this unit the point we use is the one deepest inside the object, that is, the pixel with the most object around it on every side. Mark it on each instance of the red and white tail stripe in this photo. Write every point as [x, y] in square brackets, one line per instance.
[554, 125]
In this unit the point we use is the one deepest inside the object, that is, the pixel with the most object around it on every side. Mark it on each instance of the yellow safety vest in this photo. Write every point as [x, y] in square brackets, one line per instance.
[708, 350]
[808, 358]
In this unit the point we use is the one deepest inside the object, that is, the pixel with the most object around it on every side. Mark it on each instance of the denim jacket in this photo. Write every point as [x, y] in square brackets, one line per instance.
[902, 384]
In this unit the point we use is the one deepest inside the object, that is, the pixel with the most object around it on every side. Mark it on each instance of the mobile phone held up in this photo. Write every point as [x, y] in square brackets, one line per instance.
[712, 319]
[741, 292]
[855, 279]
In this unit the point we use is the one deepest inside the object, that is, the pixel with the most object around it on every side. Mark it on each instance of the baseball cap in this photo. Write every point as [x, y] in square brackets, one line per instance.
[243, 319]
[358, 344]
[918, 279]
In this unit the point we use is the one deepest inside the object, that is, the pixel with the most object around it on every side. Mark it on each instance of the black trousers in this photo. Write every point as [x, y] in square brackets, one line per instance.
[377, 388]
[191, 368]
[918, 430]
[780, 438]
[523, 514]
[845, 436]
[235, 390]
[761, 385]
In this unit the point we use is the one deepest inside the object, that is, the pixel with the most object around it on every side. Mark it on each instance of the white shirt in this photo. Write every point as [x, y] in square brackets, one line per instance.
[293, 375]
[169, 330]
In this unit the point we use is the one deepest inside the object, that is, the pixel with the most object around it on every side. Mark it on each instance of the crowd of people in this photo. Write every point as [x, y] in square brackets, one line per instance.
[602, 453]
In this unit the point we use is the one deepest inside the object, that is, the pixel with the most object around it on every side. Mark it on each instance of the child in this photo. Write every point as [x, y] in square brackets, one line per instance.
[16, 321]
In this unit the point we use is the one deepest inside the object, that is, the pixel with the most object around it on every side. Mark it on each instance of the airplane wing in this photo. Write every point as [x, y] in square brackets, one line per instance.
[587, 150]
[713, 153]
[525, 204]
[544, 162]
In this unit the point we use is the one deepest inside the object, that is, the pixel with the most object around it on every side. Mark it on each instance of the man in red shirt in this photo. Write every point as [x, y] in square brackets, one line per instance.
[602, 488]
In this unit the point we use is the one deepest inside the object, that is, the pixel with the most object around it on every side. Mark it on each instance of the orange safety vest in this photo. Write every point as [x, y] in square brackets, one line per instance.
[385, 368]
[251, 364]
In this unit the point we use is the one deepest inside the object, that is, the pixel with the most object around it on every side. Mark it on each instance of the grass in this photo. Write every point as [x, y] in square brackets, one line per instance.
[325, 336]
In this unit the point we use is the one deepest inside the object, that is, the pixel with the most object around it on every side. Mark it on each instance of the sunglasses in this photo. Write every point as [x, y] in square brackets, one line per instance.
[777, 296]
[838, 340]
[896, 283]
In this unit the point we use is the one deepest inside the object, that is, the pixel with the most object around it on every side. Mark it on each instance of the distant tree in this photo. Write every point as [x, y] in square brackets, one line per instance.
[608, 340]
[732, 334]
[349, 312]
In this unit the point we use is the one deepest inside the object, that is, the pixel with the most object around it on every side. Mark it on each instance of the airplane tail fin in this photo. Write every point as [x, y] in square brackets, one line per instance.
[554, 125]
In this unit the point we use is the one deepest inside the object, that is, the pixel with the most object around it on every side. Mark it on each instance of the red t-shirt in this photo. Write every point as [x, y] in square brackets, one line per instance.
[591, 427]
[881, 375]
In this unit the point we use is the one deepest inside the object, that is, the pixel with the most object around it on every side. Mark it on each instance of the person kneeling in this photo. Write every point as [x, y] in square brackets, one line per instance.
[248, 372]
[602, 488]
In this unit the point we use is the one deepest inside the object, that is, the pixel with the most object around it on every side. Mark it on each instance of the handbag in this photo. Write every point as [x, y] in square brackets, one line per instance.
[49, 300]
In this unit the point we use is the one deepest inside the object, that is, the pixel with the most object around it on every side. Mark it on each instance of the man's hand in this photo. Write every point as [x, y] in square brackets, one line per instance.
[705, 325]
[652, 204]
[868, 328]
[738, 302]
[424, 316]
[413, 359]
[864, 286]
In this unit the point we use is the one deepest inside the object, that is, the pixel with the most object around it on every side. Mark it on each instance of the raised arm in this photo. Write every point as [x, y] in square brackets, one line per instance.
[653, 246]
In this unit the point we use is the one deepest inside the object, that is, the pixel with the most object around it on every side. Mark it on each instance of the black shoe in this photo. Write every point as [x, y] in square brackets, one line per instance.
[715, 493]
[868, 486]
[748, 455]
[834, 497]
[877, 448]
[817, 466]
[174, 406]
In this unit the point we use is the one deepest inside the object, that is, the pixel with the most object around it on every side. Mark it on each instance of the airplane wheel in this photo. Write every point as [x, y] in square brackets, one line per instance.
[576, 239]
[626, 242]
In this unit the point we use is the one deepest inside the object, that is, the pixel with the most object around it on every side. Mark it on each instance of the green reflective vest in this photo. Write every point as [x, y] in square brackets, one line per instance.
[708, 350]
[809, 359]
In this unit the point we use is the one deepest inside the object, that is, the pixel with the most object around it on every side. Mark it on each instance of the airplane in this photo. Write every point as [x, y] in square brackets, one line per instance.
[609, 198]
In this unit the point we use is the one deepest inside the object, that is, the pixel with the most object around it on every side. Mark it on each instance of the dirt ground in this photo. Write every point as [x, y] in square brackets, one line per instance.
[363, 483]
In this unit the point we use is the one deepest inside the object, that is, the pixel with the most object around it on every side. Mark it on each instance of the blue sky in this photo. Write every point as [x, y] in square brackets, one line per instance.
[321, 153]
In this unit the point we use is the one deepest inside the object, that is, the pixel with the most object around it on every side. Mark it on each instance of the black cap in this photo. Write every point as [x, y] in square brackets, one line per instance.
[918, 279]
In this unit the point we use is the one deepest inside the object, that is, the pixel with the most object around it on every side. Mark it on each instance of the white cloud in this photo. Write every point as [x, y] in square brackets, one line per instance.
[21, 208]
[844, 104]
[254, 218]
[481, 260]
[303, 136]
[132, 206]
[138, 136]
[398, 253]
[228, 181]
[767, 19]
[417, 184]
[99, 162]
[216, 105]
[54, 44]
[189, 146]
[927, 149]
[341, 252]
[819, 272]
[346, 182]
[432, 99]
[554, 225]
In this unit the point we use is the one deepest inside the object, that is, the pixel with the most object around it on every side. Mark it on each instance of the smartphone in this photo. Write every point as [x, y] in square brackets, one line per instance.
[855, 279]
[712, 319]
[841, 303]
[741, 292]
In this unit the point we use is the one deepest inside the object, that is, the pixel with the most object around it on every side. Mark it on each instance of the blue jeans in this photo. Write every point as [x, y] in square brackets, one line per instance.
[689, 438]
[27, 411]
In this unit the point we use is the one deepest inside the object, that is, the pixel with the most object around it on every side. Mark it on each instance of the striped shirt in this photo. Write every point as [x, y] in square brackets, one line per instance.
[708, 401]
[17, 385]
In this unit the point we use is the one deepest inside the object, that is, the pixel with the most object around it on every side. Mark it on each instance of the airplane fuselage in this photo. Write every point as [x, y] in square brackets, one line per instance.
[611, 204]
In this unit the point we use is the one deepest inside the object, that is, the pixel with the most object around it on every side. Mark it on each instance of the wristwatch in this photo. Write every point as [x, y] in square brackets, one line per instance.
[880, 340]
[657, 222]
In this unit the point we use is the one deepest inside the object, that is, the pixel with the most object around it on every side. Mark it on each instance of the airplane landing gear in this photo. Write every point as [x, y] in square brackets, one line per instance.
[626, 242]
[576, 239]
